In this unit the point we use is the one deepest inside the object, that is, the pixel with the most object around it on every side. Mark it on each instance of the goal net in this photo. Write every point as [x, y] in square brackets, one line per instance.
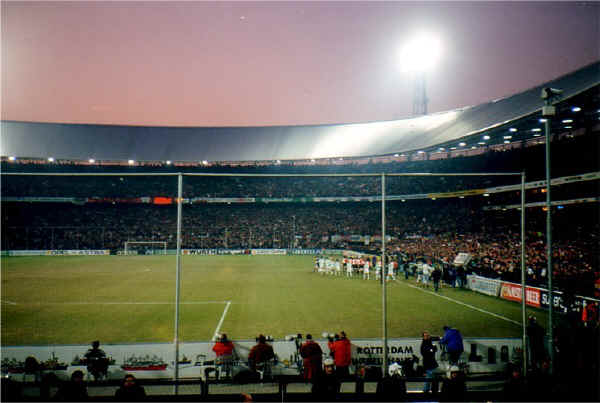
[145, 248]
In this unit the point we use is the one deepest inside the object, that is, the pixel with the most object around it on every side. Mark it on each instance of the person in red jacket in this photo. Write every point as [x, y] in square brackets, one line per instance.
[224, 350]
[342, 355]
[313, 356]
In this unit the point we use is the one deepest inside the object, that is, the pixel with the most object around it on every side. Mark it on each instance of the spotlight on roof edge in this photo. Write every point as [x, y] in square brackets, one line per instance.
[512, 129]
[204, 162]
[576, 109]
[486, 137]
[131, 162]
[91, 160]
[567, 120]
[507, 137]
[421, 53]
[12, 158]
[50, 159]
[168, 162]
[542, 120]
[536, 129]
[462, 144]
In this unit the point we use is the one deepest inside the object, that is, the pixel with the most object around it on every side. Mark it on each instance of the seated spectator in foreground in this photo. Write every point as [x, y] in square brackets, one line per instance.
[130, 391]
[392, 388]
[515, 389]
[454, 387]
[74, 390]
[326, 385]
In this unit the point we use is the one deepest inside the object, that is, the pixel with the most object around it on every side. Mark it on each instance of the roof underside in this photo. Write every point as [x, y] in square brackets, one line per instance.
[106, 142]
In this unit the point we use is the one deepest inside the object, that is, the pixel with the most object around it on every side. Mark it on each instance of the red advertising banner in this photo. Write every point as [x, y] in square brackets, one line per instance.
[512, 292]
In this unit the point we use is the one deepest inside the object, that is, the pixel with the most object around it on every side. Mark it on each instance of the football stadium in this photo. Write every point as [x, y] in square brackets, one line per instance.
[378, 245]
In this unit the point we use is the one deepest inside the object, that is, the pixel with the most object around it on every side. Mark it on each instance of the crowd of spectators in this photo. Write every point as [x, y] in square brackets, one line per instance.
[436, 230]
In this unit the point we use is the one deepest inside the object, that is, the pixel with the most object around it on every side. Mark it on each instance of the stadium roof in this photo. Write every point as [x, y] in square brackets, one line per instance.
[143, 143]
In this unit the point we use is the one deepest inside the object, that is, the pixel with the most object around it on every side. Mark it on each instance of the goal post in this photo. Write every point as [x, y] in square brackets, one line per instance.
[127, 250]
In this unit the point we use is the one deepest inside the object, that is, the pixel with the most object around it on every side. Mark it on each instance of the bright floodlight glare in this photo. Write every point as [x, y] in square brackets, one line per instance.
[512, 129]
[486, 137]
[131, 162]
[421, 53]
[168, 162]
[91, 160]
[12, 158]
[50, 159]
[576, 109]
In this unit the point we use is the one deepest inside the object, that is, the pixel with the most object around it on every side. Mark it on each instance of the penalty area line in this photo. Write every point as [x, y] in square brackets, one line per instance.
[9, 302]
[222, 319]
[464, 304]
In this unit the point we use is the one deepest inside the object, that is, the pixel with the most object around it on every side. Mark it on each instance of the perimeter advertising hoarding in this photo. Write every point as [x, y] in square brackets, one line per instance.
[192, 355]
[484, 285]
[512, 292]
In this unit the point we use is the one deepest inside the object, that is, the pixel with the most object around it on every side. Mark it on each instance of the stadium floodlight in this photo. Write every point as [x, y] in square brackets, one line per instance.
[536, 135]
[486, 137]
[542, 120]
[567, 120]
[50, 159]
[168, 162]
[536, 129]
[473, 147]
[481, 143]
[396, 155]
[421, 53]
[204, 162]
[419, 56]
[576, 109]
[506, 141]
[12, 158]
[507, 137]
[462, 144]
[568, 127]
[512, 130]
[91, 160]
[131, 162]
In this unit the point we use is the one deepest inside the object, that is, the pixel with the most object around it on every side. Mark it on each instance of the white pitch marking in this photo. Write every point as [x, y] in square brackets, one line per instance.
[462, 303]
[119, 303]
[222, 319]
[9, 302]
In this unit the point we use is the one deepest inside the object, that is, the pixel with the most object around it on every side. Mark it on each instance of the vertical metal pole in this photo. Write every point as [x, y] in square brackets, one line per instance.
[384, 301]
[177, 282]
[549, 247]
[523, 257]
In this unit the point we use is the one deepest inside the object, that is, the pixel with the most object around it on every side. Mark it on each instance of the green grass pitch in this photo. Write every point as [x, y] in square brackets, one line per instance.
[130, 299]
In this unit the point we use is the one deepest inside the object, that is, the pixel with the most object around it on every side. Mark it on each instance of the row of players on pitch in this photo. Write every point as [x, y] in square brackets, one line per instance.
[351, 266]
[363, 267]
